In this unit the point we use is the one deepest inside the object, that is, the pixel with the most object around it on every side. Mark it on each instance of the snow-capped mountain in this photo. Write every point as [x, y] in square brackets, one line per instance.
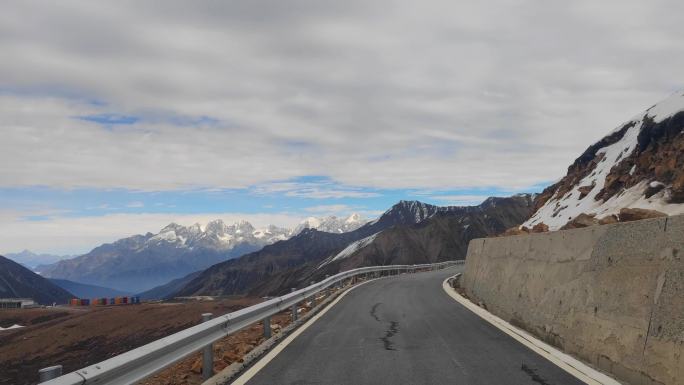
[332, 224]
[140, 262]
[640, 164]
[217, 235]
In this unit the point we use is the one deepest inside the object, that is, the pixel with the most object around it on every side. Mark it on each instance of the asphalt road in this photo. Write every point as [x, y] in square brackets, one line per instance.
[406, 330]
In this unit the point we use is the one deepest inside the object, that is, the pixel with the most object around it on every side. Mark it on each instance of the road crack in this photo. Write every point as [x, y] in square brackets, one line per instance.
[533, 375]
[374, 311]
[393, 329]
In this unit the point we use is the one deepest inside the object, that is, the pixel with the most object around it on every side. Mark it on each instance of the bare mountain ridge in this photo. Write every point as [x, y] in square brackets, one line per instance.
[16, 281]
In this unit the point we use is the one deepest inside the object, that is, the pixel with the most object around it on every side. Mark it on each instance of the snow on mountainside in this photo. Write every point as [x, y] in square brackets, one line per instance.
[332, 224]
[638, 165]
[217, 235]
[354, 247]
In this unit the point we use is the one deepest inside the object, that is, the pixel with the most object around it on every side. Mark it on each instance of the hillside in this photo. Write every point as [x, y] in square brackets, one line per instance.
[443, 235]
[640, 164]
[287, 264]
[168, 289]
[82, 290]
[16, 281]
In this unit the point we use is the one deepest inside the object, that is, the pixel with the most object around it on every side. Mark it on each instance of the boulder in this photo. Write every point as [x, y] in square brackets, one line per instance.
[540, 228]
[584, 190]
[517, 230]
[608, 220]
[635, 214]
[677, 190]
[580, 221]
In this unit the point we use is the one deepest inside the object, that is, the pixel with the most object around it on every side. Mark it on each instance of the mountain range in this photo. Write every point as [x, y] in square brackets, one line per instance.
[141, 262]
[297, 261]
[31, 259]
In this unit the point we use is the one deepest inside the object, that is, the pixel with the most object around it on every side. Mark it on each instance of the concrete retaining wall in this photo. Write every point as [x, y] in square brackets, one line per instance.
[611, 295]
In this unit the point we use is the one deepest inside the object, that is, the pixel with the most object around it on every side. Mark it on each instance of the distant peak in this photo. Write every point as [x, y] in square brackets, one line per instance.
[243, 222]
[353, 218]
[409, 204]
[171, 227]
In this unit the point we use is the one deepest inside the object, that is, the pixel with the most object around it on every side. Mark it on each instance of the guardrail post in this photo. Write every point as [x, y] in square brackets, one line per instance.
[267, 327]
[207, 354]
[49, 373]
[313, 296]
[294, 308]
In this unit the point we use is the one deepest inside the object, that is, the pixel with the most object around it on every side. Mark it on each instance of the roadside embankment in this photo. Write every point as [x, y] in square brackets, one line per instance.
[612, 295]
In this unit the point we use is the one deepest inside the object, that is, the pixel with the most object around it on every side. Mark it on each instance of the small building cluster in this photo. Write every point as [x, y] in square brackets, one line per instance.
[104, 301]
[17, 303]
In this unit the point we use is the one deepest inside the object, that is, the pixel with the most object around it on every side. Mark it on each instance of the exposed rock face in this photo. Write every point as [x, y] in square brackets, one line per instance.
[16, 281]
[638, 165]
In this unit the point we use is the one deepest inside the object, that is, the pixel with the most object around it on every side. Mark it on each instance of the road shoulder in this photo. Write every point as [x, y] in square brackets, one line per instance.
[573, 366]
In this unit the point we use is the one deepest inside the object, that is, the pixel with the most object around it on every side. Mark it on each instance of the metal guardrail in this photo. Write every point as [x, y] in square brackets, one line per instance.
[142, 362]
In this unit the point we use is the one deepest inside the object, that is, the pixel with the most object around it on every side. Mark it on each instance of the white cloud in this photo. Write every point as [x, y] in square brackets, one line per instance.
[313, 190]
[330, 209]
[383, 94]
[135, 204]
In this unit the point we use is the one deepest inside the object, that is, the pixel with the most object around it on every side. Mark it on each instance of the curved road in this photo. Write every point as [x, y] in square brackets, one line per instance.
[406, 330]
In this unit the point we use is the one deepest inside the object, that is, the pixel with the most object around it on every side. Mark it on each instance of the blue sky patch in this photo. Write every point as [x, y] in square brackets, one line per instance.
[109, 119]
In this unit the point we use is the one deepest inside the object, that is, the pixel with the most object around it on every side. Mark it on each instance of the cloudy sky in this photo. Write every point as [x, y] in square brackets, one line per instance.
[119, 117]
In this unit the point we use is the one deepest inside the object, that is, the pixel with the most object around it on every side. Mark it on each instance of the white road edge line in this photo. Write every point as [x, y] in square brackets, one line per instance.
[577, 368]
[254, 369]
